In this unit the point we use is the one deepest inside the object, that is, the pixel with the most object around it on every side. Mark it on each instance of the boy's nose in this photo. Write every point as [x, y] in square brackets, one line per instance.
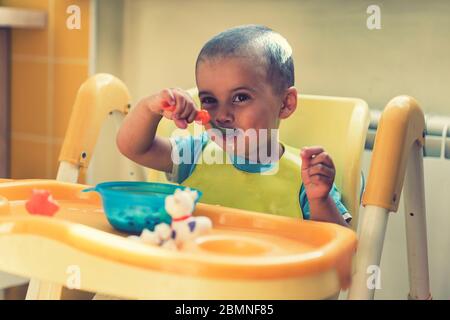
[224, 121]
[224, 118]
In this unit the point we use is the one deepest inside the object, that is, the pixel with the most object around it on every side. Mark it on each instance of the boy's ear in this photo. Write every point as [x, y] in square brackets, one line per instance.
[289, 103]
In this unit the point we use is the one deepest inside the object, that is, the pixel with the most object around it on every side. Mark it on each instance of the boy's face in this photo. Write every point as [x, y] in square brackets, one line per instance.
[237, 94]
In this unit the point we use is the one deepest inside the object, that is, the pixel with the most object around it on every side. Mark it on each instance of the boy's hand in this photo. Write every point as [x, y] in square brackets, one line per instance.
[176, 105]
[317, 172]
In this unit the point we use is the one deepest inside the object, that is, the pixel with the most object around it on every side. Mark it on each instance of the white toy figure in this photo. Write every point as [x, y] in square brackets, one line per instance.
[185, 227]
[161, 236]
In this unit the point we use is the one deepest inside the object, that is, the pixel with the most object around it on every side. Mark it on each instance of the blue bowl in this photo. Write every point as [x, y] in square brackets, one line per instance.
[134, 206]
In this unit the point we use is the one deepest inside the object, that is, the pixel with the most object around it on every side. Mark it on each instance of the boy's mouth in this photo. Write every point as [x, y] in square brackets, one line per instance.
[226, 132]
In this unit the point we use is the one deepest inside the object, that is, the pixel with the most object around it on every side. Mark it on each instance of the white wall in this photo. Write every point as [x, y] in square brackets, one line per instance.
[334, 52]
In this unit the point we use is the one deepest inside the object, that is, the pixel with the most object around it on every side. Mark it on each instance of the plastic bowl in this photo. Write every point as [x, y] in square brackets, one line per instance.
[134, 206]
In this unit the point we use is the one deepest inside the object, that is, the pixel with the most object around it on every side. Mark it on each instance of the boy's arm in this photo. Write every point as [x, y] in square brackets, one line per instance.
[318, 176]
[326, 210]
[137, 138]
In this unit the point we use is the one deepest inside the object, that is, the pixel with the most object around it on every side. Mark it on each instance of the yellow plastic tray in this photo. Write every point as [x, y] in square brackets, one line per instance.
[247, 255]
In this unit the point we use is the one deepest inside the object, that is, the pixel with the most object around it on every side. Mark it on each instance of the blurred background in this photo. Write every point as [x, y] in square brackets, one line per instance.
[152, 44]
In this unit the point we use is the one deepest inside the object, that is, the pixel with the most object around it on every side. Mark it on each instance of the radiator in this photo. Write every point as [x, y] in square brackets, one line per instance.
[437, 138]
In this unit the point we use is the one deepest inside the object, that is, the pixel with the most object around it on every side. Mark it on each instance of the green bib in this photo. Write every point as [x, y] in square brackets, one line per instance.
[223, 184]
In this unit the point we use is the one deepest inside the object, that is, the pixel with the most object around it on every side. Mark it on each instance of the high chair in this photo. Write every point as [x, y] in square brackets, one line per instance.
[130, 270]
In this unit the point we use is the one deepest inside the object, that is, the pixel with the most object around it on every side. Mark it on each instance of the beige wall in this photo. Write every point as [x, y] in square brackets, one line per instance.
[335, 53]
[109, 44]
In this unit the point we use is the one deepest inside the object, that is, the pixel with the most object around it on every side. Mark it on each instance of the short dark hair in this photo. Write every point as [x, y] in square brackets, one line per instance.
[247, 40]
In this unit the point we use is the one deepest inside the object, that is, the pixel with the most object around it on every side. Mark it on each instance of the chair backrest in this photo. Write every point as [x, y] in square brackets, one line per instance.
[338, 124]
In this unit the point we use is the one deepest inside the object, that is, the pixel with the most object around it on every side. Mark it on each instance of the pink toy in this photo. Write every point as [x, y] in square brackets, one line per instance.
[41, 203]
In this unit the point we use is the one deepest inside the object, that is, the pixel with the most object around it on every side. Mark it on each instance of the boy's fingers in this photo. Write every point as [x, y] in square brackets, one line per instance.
[323, 158]
[181, 104]
[321, 169]
[307, 153]
[192, 116]
[180, 123]
[319, 178]
[168, 97]
[187, 110]
[167, 114]
[178, 106]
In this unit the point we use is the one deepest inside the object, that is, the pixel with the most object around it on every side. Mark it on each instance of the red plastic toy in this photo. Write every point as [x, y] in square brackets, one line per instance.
[41, 203]
[202, 115]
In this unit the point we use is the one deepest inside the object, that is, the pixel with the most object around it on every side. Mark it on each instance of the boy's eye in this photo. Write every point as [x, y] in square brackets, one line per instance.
[241, 97]
[207, 101]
